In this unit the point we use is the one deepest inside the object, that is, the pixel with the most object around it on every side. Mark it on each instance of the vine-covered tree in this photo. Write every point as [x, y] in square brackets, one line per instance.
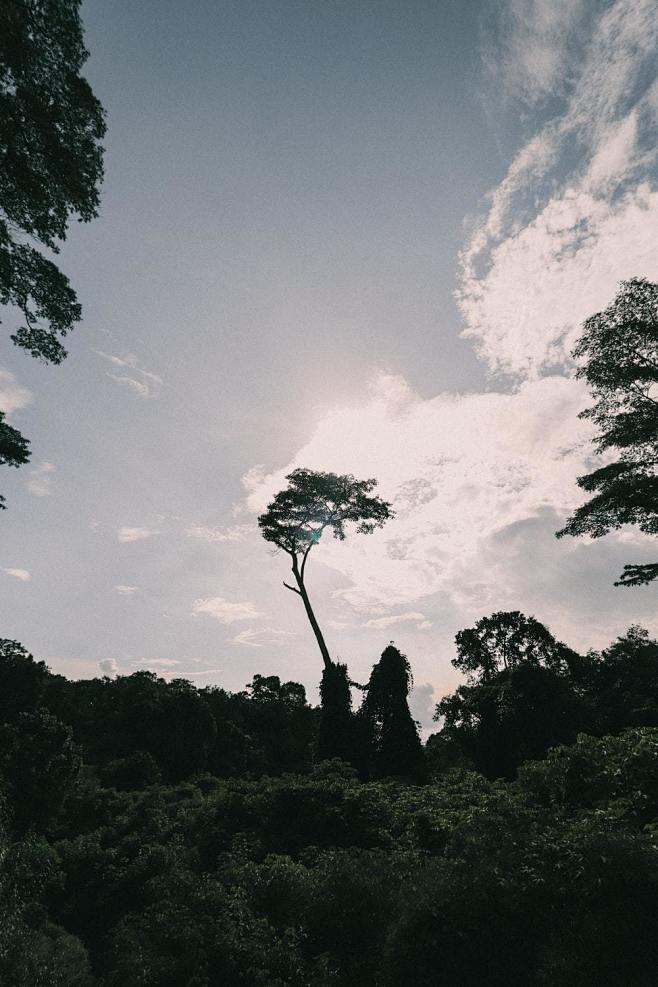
[312, 503]
[51, 166]
[395, 747]
[620, 350]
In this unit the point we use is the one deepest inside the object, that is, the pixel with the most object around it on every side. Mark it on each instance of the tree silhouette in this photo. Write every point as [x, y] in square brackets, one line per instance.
[313, 502]
[14, 449]
[504, 640]
[51, 127]
[620, 346]
[336, 732]
[395, 745]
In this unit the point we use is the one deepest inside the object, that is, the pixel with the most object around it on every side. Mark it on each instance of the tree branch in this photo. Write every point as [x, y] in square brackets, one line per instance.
[291, 588]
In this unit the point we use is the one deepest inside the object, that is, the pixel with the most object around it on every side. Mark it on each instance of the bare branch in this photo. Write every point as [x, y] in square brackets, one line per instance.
[291, 588]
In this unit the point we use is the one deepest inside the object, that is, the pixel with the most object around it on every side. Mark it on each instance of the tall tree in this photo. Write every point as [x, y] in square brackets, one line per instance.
[312, 503]
[51, 166]
[395, 746]
[620, 349]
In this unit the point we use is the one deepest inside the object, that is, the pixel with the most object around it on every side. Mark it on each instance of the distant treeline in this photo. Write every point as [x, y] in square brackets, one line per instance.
[154, 833]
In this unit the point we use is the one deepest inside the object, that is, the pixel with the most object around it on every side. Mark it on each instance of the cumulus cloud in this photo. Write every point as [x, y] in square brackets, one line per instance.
[127, 535]
[225, 611]
[23, 574]
[557, 237]
[125, 590]
[40, 482]
[108, 666]
[13, 397]
[458, 470]
[414, 616]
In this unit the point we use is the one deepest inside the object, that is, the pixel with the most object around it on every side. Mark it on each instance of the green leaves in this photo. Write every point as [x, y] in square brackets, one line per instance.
[620, 350]
[315, 501]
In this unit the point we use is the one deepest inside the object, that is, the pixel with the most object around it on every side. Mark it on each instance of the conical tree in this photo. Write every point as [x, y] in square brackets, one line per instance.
[395, 747]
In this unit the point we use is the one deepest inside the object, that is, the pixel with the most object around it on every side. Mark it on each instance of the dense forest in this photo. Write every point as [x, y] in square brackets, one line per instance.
[156, 833]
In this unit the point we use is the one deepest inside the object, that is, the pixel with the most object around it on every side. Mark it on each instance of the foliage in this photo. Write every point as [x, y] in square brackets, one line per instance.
[14, 448]
[620, 350]
[265, 865]
[503, 641]
[51, 128]
[336, 733]
[394, 745]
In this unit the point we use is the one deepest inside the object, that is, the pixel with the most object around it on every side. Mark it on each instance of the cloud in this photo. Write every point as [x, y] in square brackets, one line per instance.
[260, 638]
[128, 360]
[419, 619]
[23, 574]
[527, 49]
[422, 703]
[138, 386]
[225, 611]
[578, 208]
[125, 590]
[13, 397]
[142, 382]
[232, 534]
[40, 483]
[458, 470]
[127, 535]
[156, 662]
[108, 666]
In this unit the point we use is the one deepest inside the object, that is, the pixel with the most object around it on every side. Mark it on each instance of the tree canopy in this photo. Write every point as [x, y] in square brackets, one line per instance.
[619, 347]
[51, 167]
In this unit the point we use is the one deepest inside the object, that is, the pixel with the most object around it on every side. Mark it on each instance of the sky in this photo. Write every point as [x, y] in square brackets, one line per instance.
[355, 236]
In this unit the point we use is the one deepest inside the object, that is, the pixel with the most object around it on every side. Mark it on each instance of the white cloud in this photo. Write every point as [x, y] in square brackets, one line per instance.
[155, 662]
[260, 638]
[13, 397]
[528, 50]
[145, 386]
[419, 619]
[125, 590]
[458, 469]
[557, 237]
[128, 360]
[23, 574]
[40, 482]
[108, 666]
[127, 535]
[225, 611]
[231, 534]
[138, 386]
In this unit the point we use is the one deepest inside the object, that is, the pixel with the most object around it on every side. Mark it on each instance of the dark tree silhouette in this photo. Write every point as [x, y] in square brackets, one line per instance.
[14, 448]
[51, 127]
[395, 747]
[620, 349]
[336, 733]
[312, 503]
[504, 640]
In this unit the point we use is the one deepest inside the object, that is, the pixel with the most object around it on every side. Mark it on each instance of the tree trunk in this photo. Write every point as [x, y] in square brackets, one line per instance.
[311, 616]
